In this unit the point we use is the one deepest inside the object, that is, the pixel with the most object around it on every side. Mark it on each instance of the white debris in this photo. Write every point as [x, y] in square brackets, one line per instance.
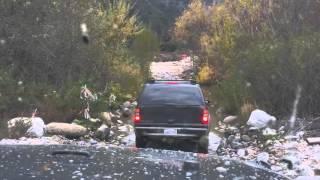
[214, 141]
[260, 119]
[2, 41]
[188, 174]
[269, 132]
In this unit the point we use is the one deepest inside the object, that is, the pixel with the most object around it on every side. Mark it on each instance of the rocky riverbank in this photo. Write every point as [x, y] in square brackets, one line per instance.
[261, 142]
[268, 148]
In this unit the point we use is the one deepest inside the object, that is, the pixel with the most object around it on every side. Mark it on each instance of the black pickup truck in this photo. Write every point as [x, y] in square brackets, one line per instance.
[172, 109]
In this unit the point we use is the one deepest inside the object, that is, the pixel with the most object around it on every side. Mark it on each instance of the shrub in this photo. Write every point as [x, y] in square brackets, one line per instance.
[205, 75]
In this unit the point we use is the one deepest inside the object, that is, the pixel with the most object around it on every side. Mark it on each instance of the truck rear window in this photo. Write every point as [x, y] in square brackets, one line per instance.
[175, 95]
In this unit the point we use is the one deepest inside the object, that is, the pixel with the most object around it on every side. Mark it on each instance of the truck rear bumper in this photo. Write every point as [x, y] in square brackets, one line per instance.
[176, 132]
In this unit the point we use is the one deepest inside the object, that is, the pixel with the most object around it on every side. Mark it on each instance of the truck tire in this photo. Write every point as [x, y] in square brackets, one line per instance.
[203, 145]
[141, 142]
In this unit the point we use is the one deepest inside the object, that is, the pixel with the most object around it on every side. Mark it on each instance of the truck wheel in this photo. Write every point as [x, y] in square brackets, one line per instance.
[203, 145]
[140, 142]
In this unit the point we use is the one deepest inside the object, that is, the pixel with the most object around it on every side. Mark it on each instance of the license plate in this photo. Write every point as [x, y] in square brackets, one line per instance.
[170, 131]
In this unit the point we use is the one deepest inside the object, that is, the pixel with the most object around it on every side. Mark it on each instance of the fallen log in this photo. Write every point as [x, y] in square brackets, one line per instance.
[313, 140]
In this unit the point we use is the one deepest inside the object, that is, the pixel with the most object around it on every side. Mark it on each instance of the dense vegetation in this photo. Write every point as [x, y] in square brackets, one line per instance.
[256, 52]
[253, 53]
[44, 63]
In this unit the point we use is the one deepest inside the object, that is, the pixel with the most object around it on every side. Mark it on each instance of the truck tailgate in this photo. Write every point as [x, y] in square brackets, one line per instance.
[171, 114]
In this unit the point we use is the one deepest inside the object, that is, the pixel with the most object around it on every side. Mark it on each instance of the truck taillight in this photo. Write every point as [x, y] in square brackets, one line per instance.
[205, 116]
[136, 116]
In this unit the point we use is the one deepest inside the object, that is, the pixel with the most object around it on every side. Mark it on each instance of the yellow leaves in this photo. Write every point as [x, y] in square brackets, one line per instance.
[118, 24]
[205, 75]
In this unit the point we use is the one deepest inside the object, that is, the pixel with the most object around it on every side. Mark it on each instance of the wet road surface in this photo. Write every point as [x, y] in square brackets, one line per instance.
[111, 162]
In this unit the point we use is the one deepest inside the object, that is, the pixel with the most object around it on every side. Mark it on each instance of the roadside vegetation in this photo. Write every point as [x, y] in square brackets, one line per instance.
[258, 53]
[44, 62]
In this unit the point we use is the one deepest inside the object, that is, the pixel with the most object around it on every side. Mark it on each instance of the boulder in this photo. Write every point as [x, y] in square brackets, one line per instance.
[103, 132]
[260, 119]
[230, 119]
[126, 104]
[24, 126]
[17, 127]
[106, 118]
[134, 104]
[67, 130]
[37, 128]
[126, 112]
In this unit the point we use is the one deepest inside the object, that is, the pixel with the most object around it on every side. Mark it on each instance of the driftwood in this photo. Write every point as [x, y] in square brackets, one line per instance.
[313, 140]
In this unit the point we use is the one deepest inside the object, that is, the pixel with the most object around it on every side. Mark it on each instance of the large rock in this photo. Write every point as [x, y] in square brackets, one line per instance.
[17, 127]
[67, 130]
[103, 132]
[126, 104]
[106, 118]
[230, 119]
[126, 112]
[260, 119]
[37, 128]
[24, 126]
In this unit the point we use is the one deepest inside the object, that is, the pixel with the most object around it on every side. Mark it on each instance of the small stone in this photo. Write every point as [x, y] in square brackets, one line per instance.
[231, 138]
[126, 112]
[242, 153]
[269, 132]
[307, 178]
[291, 161]
[305, 171]
[236, 145]
[221, 169]
[245, 138]
[264, 157]
[92, 141]
[123, 129]
[126, 104]
[276, 168]
[103, 132]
